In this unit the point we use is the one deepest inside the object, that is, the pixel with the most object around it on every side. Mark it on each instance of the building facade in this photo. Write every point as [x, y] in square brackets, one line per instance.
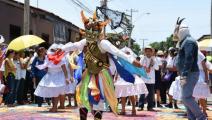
[47, 25]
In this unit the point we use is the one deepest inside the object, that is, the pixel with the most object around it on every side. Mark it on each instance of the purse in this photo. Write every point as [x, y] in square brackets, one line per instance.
[168, 76]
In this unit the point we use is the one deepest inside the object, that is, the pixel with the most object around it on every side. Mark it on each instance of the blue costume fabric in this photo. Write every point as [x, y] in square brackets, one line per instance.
[78, 72]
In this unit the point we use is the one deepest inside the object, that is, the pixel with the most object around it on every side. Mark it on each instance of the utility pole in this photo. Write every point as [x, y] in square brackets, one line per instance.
[211, 19]
[103, 4]
[26, 17]
[37, 3]
[143, 45]
[131, 26]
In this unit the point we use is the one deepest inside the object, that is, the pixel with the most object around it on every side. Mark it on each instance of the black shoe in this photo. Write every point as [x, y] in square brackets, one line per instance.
[136, 104]
[175, 106]
[151, 109]
[128, 103]
[159, 105]
[169, 105]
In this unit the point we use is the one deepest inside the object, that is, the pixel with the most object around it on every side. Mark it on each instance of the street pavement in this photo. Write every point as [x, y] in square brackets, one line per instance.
[32, 112]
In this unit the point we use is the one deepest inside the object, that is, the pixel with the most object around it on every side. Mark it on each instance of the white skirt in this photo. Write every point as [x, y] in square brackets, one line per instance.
[70, 88]
[175, 89]
[49, 92]
[201, 90]
[51, 85]
[125, 89]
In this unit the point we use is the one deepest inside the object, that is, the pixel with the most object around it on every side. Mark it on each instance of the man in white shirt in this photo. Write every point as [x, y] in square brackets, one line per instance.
[150, 63]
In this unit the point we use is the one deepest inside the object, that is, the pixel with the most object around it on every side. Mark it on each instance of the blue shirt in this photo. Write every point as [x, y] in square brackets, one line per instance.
[35, 71]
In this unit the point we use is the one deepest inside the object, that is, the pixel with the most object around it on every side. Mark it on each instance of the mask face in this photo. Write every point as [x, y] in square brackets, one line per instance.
[91, 35]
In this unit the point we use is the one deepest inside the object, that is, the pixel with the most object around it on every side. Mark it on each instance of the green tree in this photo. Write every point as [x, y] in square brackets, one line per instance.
[136, 48]
[163, 45]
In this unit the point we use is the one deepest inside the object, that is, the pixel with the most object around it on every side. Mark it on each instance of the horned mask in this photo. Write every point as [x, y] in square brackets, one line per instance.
[177, 29]
[93, 24]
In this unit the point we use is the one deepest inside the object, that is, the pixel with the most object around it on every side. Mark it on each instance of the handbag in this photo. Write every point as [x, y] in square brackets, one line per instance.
[168, 76]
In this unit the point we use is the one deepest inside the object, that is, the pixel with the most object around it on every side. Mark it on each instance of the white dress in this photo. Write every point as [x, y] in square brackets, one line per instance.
[201, 89]
[175, 89]
[123, 88]
[53, 83]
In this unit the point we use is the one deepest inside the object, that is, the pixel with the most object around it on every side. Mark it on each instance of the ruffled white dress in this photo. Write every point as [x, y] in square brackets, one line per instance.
[53, 83]
[175, 89]
[124, 89]
[201, 89]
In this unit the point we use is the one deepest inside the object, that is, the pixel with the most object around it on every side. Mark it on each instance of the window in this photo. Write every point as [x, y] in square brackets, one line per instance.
[46, 38]
[69, 35]
[15, 31]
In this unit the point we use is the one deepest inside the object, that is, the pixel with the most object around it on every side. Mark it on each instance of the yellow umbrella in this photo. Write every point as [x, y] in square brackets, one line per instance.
[205, 45]
[24, 41]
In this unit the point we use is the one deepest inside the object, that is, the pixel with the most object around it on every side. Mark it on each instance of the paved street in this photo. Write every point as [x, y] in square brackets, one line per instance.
[32, 112]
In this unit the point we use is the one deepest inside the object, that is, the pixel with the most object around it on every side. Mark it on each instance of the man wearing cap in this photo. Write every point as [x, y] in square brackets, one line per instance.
[187, 67]
[151, 64]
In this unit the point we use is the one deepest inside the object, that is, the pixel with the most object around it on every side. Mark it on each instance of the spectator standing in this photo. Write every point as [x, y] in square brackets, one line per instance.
[9, 73]
[150, 63]
[171, 75]
[37, 74]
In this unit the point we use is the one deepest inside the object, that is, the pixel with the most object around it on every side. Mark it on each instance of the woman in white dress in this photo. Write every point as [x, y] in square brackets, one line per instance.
[201, 89]
[54, 83]
[125, 89]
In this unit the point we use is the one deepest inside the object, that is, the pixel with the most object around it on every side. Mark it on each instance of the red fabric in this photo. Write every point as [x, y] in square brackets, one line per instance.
[97, 97]
[56, 57]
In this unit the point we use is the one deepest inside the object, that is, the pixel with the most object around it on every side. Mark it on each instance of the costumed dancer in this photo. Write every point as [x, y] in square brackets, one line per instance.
[126, 89]
[96, 85]
[187, 67]
[53, 84]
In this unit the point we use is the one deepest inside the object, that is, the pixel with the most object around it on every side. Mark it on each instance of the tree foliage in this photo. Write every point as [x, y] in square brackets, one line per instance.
[163, 45]
[136, 48]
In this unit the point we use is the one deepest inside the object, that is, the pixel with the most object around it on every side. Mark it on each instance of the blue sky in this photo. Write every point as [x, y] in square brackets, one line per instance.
[154, 27]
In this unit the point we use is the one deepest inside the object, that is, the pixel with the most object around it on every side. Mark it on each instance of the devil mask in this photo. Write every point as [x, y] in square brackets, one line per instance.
[93, 27]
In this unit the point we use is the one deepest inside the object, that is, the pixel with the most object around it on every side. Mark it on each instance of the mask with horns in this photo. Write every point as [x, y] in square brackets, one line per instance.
[177, 28]
[93, 27]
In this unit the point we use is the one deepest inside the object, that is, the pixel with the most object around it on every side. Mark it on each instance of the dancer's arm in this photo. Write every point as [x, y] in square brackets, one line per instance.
[74, 46]
[110, 48]
[65, 73]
